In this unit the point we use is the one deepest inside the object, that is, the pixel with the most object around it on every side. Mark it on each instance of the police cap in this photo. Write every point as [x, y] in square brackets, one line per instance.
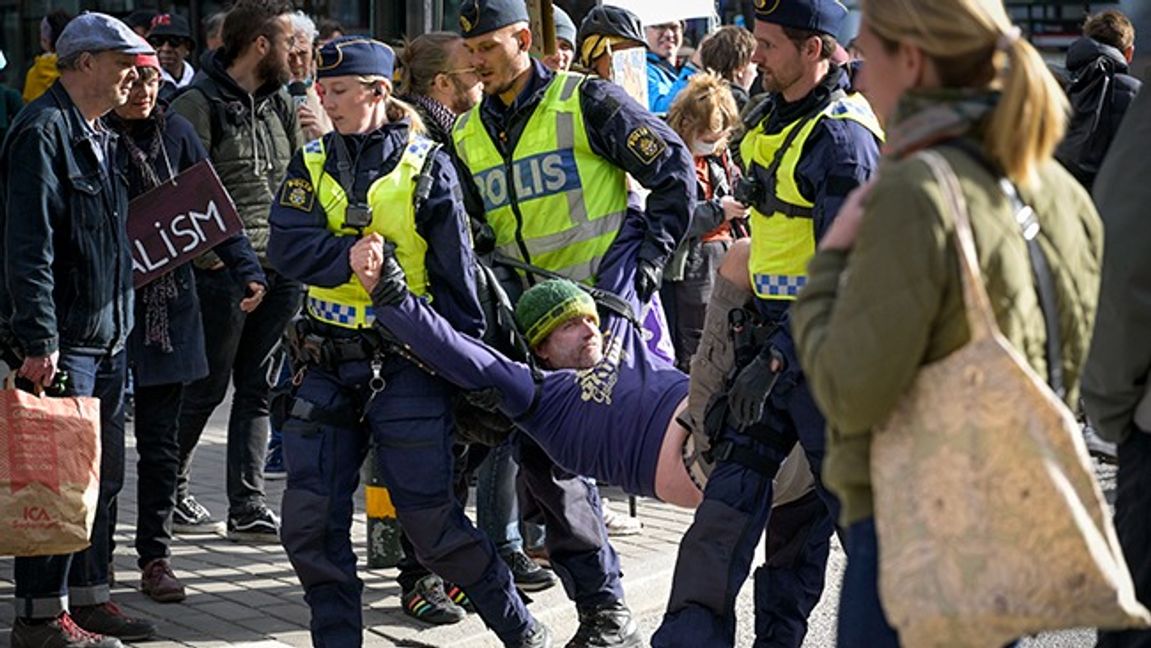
[478, 17]
[824, 16]
[355, 56]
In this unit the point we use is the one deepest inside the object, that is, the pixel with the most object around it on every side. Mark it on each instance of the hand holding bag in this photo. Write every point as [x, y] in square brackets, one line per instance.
[991, 525]
[49, 472]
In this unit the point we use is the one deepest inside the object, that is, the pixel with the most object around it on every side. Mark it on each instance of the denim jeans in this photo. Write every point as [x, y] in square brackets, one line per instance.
[243, 349]
[157, 420]
[497, 507]
[862, 621]
[46, 585]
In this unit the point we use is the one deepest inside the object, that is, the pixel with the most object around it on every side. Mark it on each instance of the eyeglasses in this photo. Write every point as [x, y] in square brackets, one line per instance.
[467, 70]
[170, 41]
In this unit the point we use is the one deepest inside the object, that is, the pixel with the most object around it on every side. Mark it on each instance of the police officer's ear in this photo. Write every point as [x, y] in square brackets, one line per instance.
[524, 39]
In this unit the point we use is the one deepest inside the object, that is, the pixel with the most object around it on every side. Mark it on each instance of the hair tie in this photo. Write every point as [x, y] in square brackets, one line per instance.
[1007, 38]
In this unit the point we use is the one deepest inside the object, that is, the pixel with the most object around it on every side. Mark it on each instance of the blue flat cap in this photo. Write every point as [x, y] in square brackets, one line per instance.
[355, 56]
[478, 17]
[824, 16]
[565, 28]
[97, 32]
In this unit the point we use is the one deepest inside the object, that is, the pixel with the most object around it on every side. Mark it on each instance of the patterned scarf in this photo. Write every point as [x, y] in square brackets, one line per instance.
[927, 117]
[434, 111]
[157, 295]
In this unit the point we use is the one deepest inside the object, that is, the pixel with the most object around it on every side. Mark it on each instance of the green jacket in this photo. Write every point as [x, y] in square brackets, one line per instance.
[869, 318]
[1115, 381]
[250, 139]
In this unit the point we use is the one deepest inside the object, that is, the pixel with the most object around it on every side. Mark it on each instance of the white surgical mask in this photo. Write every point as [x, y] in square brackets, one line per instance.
[700, 148]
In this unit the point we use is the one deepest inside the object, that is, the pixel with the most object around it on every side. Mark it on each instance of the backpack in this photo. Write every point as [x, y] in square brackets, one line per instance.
[1090, 127]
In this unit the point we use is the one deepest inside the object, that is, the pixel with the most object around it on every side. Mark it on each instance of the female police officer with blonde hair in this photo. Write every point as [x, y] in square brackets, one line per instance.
[353, 390]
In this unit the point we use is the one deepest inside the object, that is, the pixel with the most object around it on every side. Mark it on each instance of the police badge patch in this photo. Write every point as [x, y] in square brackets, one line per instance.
[298, 194]
[764, 7]
[645, 144]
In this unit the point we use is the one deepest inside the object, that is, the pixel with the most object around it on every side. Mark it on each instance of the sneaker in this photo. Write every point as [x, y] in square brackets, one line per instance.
[459, 597]
[108, 619]
[538, 637]
[258, 524]
[160, 584]
[607, 626]
[1102, 450]
[274, 469]
[428, 602]
[618, 524]
[61, 632]
[527, 575]
[191, 517]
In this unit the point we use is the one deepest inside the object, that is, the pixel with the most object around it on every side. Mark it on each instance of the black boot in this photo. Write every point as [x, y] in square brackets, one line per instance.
[606, 626]
[537, 637]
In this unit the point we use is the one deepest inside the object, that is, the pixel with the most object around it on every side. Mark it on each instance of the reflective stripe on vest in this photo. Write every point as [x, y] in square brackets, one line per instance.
[393, 217]
[783, 241]
[564, 228]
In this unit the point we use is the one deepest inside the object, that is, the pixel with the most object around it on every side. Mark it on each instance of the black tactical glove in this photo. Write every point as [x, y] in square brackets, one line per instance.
[647, 279]
[751, 387]
[392, 287]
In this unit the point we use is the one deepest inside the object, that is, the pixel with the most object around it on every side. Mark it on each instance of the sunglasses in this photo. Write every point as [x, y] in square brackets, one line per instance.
[171, 41]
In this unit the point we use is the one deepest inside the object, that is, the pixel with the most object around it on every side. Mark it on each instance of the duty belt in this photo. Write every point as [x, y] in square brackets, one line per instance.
[314, 342]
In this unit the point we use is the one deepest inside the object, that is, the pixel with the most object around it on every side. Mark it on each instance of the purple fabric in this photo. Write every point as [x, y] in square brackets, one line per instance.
[657, 332]
[607, 422]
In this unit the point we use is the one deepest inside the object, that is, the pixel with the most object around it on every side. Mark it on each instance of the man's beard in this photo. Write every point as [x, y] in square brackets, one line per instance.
[461, 101]
[272, 70]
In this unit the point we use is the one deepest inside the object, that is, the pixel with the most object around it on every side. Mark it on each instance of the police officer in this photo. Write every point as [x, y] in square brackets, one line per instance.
[357, 182]
[812, 143]
[545, 159]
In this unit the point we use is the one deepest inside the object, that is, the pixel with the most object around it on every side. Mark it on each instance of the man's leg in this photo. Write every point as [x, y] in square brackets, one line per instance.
[715, 554]
[256, 367]
[42, 581]
[412, 428]
[498, 515]
[578, 548]
[223, 324]
[88, 592]
[1133, 524]
[497, 509]
[323, 458]
[789, 584]
[576, 540]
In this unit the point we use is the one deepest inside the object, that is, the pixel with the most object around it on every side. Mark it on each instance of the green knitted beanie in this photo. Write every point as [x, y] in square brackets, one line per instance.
[548, 304]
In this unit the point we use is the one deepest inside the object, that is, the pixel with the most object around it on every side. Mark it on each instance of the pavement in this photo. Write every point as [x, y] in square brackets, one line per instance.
[248, 595]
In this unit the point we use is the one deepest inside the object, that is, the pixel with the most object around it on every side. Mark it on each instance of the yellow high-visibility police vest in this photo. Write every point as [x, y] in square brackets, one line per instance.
[393, 217]
[783, 240]
[571, 202]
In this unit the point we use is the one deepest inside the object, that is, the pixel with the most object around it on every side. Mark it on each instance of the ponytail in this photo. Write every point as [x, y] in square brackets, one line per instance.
[1028, 122]
[397, 110]
[974, 45]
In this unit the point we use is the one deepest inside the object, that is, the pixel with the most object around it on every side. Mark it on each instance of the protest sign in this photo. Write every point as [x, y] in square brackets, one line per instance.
[178, 221]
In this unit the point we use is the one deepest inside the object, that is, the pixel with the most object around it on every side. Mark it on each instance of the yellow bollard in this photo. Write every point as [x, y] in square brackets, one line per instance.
[384, 548]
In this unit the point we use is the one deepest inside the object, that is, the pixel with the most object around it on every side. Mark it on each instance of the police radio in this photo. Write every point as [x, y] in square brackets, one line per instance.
[748, 191]
[357, 216]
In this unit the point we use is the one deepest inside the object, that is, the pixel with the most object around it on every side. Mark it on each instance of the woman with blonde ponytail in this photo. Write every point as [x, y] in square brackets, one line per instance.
[884, 297]
[376, 178]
